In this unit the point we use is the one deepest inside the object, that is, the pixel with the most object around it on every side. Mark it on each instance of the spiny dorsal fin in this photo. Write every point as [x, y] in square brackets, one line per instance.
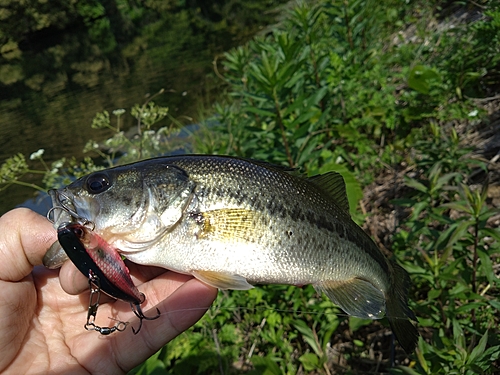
[333, 184]
[277, 167]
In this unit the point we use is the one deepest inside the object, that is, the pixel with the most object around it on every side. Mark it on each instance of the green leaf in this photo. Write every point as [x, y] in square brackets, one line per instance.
[294, 78]
[303, 118]
[266, 365]
[458, 334]
[492, 232]
[487, 266]
[358, 343]
[433, 294]
[458, 233]
[316, 97]
[479, 349]
[410, 182]
[310, 361]
[356, 323]
[308, 335]
[420, 78]
[495, 304]
[457, 206]
[296, 105]
[444, 180]
[259, 111]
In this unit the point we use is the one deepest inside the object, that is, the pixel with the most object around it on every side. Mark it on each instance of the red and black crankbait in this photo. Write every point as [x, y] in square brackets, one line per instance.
[106, 270]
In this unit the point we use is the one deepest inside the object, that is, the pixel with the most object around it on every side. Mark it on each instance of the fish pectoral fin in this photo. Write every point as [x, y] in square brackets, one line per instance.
[228, 223]
[222, 280]
[357, 297]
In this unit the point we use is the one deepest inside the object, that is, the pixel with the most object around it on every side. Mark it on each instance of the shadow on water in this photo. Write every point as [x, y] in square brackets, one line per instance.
[57, 71]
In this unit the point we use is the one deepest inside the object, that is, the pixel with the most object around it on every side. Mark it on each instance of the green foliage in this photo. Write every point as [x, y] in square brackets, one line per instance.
[149, 141]
[453, 268]
[325, 80]
[146, 143]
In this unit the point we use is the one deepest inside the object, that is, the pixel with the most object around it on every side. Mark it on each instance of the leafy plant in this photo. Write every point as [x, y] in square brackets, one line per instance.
[453, 269]
[120, 148]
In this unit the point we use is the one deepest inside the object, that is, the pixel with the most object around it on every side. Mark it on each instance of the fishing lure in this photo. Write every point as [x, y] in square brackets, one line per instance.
[105, 269]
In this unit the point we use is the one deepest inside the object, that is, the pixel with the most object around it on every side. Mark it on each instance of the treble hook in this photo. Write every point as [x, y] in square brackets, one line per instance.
[50, 213]
[79, 219]
[136, 308]
[65, 204]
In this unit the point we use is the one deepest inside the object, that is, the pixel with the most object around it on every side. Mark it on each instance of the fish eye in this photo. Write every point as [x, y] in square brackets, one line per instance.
[98, 183]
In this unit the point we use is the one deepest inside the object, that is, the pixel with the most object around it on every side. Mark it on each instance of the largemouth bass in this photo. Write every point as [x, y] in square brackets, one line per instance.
[233, 223]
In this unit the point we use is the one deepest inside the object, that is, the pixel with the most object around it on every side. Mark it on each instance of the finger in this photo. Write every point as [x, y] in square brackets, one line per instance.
[25, 237]
[142, 274]
[72, 280]
[186, 304]
[178, 312]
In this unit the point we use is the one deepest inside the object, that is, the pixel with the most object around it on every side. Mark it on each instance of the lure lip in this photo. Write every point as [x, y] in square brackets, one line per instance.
[68, 237]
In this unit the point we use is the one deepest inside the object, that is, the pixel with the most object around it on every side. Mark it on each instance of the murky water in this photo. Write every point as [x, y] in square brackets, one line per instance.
[52, 106]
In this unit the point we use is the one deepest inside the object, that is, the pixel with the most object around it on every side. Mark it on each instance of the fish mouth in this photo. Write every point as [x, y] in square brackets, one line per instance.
[64, 210]
[59, 215]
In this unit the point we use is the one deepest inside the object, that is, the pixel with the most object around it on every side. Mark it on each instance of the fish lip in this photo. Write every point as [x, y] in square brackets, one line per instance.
[57, 214]
[64, 209]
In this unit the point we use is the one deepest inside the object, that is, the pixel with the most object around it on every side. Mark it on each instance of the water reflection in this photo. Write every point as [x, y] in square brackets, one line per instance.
[53, 81]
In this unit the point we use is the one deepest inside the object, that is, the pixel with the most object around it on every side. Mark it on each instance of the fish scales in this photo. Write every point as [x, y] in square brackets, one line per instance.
[286, 206]
[272, 244]
[233, 223]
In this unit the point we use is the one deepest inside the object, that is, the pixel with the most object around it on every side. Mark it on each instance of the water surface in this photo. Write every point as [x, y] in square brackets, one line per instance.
[61, 79]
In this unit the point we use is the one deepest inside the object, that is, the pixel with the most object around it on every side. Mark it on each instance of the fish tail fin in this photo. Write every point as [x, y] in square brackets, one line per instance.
[398, 313]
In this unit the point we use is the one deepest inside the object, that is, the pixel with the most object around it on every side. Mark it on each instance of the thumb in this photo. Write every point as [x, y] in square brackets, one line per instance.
[25, 237]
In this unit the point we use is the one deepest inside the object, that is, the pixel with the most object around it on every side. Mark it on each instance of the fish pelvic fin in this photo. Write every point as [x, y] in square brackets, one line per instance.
[356, 296]
[398, 312]
[222, 280]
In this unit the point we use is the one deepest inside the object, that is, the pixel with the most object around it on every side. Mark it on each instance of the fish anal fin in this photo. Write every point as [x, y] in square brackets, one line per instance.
[222, 281]
[228, 223]
[356, 296]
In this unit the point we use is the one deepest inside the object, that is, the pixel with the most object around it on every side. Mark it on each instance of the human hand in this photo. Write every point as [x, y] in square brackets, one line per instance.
[41, 325]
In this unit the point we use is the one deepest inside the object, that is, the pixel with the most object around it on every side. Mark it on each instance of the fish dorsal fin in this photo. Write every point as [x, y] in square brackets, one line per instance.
[333, 184]
[276, 167]
[222, 280]
[357, 297]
